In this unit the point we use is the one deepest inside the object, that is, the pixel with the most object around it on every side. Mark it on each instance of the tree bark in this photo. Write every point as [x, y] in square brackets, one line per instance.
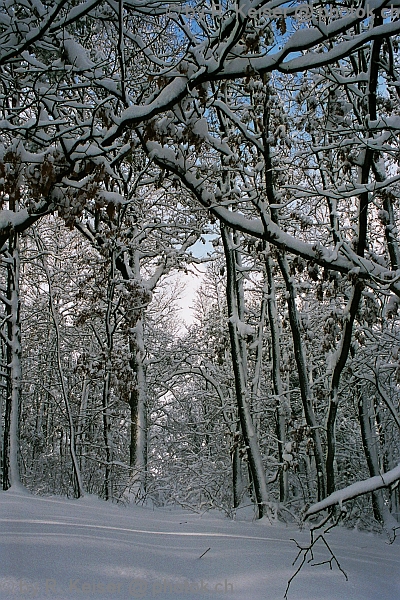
[249, 434]
[365, 413]
[138, 406]
[303, 376]
[276, 376]
[340, 362]
[11, 448]
[78, 483]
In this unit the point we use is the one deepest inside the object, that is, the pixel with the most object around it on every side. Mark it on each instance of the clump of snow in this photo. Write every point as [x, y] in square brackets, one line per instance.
[13, 219]
[77, 54]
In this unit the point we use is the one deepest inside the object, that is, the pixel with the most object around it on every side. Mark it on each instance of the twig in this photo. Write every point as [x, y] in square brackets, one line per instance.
[204, 553]
[307, 552]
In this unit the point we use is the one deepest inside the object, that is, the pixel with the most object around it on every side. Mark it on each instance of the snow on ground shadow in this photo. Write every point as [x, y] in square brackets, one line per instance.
[62, 549]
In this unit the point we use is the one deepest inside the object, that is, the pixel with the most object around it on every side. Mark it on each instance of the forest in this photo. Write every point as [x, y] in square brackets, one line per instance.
[255, 146]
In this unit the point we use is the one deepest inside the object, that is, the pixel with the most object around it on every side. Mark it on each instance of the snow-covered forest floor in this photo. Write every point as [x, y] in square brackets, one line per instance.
[63, 549]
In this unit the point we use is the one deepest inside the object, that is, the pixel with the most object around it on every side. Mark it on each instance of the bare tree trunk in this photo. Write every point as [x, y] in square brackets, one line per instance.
[249, 433]
[340, 362]
[276, 376]
[81, 429]
[138, 405]
[78, 484]
[370, 441]
[237, 477]
[291, 302]
[303, 375]
[11, 449]
[110, 328]
[108, 484]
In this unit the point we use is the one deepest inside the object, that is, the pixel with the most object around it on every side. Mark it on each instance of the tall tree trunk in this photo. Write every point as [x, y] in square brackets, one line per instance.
[11, 449]
[303, 375]
[77, 477]
[108, 483]
[138, 405]
[299, 353]
[81, 429]
[276, 376]
[370, 441]
[249, 433]
[340, 362]
[237, 477]
[110, 328]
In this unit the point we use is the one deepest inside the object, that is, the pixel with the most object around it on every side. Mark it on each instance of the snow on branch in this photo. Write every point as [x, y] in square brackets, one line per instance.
[170, 95]
[356, 489]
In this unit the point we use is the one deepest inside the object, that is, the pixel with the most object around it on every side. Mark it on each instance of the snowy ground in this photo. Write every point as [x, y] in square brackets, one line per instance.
[67, 550]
